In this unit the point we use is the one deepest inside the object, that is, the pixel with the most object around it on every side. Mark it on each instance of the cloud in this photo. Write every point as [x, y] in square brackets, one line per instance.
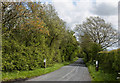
[104, 9]
[76, 11]
[109, 11]
[71, 12]
[44, 1]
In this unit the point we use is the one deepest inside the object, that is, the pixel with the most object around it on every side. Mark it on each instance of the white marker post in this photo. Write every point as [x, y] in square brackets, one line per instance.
[45, 63]
[118, 77]
[96, 65]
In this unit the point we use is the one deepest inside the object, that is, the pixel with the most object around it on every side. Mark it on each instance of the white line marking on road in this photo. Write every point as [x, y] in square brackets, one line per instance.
[73, 74]
[67, 74]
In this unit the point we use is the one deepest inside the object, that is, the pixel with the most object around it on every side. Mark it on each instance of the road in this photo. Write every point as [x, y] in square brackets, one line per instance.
[73, 72]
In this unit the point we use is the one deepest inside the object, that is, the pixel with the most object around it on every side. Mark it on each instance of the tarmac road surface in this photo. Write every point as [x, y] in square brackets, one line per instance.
[73, 72]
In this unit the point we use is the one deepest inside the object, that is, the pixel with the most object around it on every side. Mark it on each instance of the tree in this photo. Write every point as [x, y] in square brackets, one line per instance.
[85, 45]
[89, 47]
[11, 12]
[35, 32]
[98, 30]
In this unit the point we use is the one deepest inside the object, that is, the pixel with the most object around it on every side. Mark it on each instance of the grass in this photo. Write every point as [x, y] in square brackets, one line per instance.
[100, 75]
[11, 76]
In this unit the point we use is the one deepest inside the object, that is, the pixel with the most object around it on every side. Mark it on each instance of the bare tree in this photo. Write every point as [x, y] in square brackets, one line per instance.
[98, 30]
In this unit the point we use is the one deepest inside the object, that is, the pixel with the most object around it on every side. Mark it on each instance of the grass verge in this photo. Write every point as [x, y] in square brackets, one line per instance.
[11, 76]
[100, 75]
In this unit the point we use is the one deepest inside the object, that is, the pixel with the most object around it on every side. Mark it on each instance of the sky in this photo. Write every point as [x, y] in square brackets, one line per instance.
[76, 11]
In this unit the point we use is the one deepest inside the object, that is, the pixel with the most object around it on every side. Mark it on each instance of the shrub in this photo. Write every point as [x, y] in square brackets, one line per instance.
[109, 61]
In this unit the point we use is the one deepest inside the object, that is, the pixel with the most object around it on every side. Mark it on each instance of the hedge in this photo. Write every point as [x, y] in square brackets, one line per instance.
[109, 61]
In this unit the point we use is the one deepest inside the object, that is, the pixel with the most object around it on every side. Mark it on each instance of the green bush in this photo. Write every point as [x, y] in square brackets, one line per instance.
[35, 36]
[20, 55]
[109, 61]
[116, 64]
[90, 52]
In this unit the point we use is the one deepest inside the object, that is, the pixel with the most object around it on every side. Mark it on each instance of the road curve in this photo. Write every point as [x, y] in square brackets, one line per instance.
[73, 72]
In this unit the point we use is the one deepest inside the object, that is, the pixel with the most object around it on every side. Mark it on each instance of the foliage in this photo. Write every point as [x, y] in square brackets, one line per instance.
[17, 75]
[109, 60]
[36, 33]
[89, 48]
[101, 75]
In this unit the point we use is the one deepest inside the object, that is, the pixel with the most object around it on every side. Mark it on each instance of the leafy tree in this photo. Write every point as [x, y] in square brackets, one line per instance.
[36, 33]
[89, 47]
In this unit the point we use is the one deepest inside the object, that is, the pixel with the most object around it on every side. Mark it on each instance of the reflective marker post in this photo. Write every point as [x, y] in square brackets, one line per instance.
[118, 77]
[44, 63]
[96, 65]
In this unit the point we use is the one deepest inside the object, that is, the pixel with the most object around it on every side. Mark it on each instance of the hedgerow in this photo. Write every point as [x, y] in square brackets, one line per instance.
[33, 36]
[109, 60]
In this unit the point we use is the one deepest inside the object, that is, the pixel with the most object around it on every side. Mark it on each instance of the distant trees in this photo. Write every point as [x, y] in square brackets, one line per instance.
[98, 30]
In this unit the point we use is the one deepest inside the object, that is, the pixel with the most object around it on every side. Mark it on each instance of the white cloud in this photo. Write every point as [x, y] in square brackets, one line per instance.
[111, 2]
[113, 20]
[71, 13]
[77, 13]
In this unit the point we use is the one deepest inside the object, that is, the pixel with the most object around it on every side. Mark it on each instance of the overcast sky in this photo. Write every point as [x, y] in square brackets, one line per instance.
[76, 11]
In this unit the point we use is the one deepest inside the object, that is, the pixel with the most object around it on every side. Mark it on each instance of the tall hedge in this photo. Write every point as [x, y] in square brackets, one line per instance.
[37, 34]
[109, 61]
[28, 55]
